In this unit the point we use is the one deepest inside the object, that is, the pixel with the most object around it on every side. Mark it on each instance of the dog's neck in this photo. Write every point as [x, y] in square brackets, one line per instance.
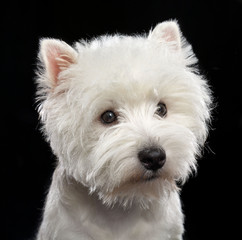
[73, 193]
[70, 201]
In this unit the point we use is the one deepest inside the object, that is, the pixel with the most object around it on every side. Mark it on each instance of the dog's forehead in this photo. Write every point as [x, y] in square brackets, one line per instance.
[126, 86]
[130, 61]
[133, 92]
[126, 71]
[124, 59]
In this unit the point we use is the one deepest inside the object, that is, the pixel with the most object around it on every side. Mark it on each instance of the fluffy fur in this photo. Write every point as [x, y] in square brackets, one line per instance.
[100, 190]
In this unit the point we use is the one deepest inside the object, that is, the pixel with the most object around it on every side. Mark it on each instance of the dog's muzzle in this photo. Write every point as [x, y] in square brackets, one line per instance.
[152, 158]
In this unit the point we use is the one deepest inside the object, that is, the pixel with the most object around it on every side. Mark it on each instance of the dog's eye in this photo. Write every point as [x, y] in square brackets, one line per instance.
[108, 117]
[161, 109]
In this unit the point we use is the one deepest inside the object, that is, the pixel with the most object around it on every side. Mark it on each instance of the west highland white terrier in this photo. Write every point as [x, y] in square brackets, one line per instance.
[126, 117]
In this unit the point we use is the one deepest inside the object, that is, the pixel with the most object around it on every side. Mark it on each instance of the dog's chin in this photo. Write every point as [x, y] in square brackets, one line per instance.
[139, 190]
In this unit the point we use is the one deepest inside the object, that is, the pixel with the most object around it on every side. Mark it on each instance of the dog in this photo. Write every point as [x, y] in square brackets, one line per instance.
[127, 118]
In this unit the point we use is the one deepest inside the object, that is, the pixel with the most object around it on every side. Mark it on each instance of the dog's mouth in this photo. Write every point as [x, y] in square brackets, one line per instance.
[151, 178]
[147, 176]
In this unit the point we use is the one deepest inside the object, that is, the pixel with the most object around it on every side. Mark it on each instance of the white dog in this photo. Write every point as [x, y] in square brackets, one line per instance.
[126, 117]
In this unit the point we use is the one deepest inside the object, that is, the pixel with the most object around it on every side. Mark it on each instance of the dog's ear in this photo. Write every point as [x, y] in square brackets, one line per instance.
[167, 32]
[55, 56]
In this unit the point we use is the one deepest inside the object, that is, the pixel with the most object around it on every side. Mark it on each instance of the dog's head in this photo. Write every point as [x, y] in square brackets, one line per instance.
[126, 116]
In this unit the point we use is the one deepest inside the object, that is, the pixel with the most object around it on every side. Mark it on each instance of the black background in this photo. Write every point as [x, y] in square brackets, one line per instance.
[210, 199]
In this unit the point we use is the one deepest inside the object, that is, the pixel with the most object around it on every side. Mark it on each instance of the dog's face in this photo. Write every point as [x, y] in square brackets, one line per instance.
[126, 116]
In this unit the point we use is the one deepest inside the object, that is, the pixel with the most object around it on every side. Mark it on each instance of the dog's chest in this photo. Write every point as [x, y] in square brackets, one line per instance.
[120, 224]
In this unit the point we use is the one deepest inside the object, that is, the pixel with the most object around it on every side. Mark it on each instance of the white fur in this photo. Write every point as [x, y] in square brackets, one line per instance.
[99, 189]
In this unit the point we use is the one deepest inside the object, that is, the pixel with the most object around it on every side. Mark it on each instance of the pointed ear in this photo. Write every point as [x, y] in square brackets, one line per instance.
[167, 32]
[56, 56]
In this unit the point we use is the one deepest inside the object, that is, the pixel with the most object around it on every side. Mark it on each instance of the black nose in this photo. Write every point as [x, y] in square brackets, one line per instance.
[152, 158]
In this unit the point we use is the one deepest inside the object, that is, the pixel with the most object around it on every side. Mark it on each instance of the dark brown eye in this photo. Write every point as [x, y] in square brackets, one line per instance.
[108, 117]
[161, 109]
